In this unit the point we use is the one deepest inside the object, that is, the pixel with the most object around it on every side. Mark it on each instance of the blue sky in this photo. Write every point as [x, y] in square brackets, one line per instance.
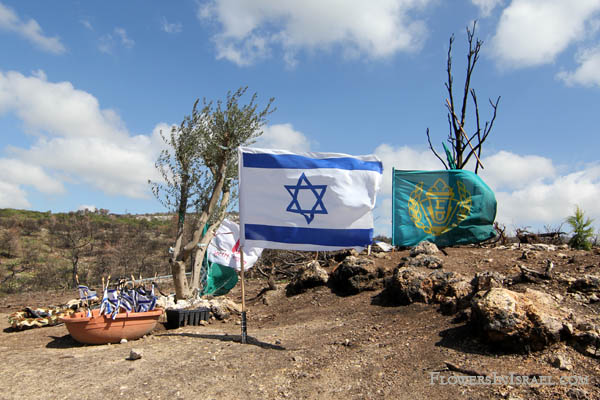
[85, 87]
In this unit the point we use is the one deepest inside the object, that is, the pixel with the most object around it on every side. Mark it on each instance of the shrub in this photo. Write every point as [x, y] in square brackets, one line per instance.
[582, 230]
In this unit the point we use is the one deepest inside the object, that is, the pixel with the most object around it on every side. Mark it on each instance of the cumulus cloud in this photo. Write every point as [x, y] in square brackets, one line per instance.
[513, 171]
[404, 158]
[529, 189]
[534, 32]
[75, 141]
[174, 27]
[374, 29]
[550, 203]
[56, 108]
[18, 172]
[283, 137]
[487, 6]
[30, 30]
[12, 196]
[588, 72]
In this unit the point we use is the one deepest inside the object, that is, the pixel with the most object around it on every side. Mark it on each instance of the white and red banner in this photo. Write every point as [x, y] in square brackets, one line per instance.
[224, 249]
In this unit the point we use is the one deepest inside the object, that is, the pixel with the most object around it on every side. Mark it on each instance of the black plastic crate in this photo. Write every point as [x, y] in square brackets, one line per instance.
[179, 318]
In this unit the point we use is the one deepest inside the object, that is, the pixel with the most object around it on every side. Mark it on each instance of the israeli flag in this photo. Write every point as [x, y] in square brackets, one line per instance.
[86, 294]
[306, 201]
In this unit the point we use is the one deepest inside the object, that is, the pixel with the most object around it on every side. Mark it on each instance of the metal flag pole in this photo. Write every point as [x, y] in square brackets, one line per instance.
[244, 331]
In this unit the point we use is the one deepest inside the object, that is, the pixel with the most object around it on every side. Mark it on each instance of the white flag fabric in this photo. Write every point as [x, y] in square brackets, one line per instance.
[307, 201]
[224, 248]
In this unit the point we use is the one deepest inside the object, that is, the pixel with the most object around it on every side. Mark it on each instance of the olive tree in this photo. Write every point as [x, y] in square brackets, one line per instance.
[199, 171]
[464, 145]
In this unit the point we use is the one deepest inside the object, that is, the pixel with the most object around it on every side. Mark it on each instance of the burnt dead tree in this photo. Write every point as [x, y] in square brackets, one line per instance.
[464, 145]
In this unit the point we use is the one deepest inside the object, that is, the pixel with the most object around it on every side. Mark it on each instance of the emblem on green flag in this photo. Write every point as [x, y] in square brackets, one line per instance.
[444, 207]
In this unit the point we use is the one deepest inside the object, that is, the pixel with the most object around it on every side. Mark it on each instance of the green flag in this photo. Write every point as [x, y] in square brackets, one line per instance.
[219, 279]
[223, 258]
[451, 162]
[444, 207]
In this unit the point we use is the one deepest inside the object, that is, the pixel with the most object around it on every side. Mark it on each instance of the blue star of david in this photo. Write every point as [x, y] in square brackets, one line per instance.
[317, 190]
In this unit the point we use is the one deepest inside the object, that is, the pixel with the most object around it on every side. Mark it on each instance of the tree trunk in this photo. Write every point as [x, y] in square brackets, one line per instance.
[210, 233]
[199, 257]
[182, 290]
[177, 265]
[75, 270]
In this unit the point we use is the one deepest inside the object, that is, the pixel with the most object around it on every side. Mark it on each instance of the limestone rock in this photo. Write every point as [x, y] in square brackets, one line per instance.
[166, 302]
[586, 339]
[409, 285]
[219, 310]
[312, 275]
[231, 305]
[586, 284]
[577, 394]
[426, 260]
[424, 247]
[135, 354]
[517, 321]
[487, 280]
[356, 274]
[452, 292]
[561, 362]
[542, 247]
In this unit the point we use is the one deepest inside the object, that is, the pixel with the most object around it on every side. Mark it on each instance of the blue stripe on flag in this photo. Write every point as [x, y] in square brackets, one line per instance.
[267, 160]
[316, 236]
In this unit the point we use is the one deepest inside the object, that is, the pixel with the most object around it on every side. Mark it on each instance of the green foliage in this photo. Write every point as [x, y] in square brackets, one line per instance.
[23, 214]
[197, 148]
[582, 230]
[199, 168]
[41, 259]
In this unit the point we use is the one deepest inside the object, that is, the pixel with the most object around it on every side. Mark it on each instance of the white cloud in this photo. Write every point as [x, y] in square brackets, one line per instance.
[30, 30]
[374, 29]
[18, 172]
[529, 189]
[168, 27]
[382, 216]
[76, 141]
[56, 108]
[87, 24]
[534, 32]
[125, 40]
[283, 137]
[588, 72]
[551, 203]
[86, 207]
[12, 196]
[512, 171]
[108, 42]
[487, 6]
[404, 158]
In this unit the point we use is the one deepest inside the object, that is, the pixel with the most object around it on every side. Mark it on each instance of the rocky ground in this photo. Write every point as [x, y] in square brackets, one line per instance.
[388, 325]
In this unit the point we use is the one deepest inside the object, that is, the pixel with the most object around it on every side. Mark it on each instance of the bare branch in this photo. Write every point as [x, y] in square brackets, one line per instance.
[435, 152]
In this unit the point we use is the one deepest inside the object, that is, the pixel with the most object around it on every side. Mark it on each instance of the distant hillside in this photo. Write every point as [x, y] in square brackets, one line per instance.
[44, 250]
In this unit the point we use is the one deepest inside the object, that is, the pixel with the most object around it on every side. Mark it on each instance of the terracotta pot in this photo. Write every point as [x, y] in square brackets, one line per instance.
[100, 329]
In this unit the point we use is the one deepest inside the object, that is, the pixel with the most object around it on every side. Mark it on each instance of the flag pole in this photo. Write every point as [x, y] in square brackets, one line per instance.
[244, 332]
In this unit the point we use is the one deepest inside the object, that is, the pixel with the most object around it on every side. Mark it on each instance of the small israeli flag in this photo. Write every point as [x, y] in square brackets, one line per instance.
[86, 294]
[306, 201]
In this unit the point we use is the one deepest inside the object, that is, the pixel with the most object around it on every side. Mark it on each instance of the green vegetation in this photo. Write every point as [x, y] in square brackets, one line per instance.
[582, 230]
[42, 250]
[199, 170]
